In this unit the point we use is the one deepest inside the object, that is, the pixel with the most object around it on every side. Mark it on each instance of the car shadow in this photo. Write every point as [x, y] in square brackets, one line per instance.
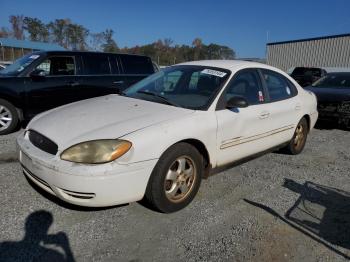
[66, 205]
[321, 213]
[37, 244]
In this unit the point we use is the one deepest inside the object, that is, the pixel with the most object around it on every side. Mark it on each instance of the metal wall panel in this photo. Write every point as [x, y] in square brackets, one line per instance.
[323, 52]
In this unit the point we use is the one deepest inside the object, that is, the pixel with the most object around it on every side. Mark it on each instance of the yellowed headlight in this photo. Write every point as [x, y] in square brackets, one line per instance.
[97, 151]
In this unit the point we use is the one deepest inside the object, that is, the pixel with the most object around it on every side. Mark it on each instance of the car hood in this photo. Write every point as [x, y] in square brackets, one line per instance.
[329, 94]
[106, 117]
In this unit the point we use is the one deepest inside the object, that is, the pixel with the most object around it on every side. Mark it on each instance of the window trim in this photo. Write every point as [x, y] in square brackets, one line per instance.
[221, 104]
[293, 88]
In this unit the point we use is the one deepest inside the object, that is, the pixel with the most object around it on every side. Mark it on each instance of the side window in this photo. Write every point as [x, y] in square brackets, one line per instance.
[136, 64]
[58, 65]
[277, 86]
[96, 64]
[247, 85]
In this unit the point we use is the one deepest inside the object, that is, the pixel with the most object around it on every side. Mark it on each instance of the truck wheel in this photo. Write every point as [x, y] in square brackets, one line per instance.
[8, 117]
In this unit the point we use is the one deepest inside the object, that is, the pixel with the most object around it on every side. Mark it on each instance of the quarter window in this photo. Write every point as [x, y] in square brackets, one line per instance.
[133, 64]
[58, 65]
[277, 86]
[247, 85]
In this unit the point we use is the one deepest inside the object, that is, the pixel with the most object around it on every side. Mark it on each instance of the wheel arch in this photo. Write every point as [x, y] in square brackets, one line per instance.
[308, 120]
[16, 103]
[202, 149]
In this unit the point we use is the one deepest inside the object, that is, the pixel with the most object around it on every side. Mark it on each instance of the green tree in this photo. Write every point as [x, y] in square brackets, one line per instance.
[17, 25]
[76, 37]
[37, 30]
[197, 45]
[58, 31]
[110, 45]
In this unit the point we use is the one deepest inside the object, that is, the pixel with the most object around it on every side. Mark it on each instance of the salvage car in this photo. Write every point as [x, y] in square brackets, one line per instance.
[333, 96]
[159, 138]
[44, 80]
[305, 76]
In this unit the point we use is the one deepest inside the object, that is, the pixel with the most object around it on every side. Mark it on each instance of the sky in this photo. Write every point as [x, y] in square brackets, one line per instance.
[243, 25]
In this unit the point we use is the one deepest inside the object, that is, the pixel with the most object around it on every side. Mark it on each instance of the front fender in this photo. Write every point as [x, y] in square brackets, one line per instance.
[152, 142]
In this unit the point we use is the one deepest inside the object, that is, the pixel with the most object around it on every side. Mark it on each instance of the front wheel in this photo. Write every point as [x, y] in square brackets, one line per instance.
[175, 179]
[8, 117]
[297, 144]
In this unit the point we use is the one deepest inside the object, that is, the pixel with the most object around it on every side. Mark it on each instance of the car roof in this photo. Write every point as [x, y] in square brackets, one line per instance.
[232, 65]
[58, 52]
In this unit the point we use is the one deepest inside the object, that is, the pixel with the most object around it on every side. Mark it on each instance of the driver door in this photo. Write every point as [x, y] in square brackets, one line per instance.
[57, 87]
[241, 131]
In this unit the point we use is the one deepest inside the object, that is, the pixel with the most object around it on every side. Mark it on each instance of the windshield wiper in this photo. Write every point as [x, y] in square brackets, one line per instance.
[164, 99]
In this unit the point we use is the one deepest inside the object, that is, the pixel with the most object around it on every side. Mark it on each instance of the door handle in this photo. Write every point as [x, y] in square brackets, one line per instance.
[298, 106]
[73, 83]
[118, 82]
[264, 114]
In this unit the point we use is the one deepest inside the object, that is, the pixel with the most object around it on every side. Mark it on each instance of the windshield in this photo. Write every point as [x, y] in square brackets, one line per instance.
[335, 80]
[192, 87]
[19, 65]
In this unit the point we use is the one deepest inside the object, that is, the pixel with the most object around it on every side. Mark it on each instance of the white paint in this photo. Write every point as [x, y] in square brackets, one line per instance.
[153, 128]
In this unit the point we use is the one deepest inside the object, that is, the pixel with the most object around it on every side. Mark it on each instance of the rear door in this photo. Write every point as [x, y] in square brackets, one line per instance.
[99, 75]
[284, 107]
[135, 68]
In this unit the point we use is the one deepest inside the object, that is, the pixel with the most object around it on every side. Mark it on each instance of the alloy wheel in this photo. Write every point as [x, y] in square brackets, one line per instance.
[180, 179]
[5, 118]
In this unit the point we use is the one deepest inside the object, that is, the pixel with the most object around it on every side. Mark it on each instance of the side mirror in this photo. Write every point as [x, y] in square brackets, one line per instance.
[236, 102]
[37, 74]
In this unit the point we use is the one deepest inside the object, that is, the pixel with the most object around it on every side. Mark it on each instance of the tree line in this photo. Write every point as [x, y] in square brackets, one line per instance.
[73, 36]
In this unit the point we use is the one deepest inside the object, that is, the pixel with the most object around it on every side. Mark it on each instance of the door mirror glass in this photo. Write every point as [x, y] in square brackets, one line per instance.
[237, 102]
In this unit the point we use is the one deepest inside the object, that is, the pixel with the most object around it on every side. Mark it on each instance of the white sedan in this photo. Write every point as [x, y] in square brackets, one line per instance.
[160, 137]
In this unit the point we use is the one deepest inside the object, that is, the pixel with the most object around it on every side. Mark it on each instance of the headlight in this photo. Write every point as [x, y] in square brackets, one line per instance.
[97, 151]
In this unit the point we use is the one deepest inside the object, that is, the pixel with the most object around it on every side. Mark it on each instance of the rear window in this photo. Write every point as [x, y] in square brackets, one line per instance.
[307, 71]
[96, 64]
[136, 64]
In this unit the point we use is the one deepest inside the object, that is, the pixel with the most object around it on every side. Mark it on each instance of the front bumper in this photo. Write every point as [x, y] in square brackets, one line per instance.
[335, 112]
[85, 185]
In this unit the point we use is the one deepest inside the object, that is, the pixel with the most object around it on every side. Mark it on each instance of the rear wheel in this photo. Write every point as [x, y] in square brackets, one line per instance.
[297, 144]
[8, 117]
[175, 179]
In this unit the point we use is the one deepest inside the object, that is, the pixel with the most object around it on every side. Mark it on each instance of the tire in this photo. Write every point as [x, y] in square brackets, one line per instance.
[176, 178]
[297, 144]
[9, 118]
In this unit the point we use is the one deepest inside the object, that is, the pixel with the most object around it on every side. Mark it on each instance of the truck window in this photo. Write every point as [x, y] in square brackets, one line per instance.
[58, 65]
[136, 64]
[96, 64]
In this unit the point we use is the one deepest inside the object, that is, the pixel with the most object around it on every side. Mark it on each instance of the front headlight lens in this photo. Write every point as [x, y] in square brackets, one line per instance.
[97, 151]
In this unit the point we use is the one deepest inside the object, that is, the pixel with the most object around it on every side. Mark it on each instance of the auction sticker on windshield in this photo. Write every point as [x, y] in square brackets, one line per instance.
[213, 72]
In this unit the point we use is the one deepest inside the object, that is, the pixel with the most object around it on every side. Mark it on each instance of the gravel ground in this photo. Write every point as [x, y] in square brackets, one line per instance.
[274, 208]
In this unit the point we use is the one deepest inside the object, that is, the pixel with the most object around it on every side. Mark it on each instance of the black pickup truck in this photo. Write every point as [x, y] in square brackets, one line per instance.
[44, 80]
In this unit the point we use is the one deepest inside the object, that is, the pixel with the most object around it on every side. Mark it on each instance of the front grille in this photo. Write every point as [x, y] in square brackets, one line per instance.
[42, 142]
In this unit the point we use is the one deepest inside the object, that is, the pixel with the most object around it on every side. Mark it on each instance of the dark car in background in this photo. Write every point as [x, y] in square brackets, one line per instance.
[305, 76]
[44, 80]
[333, 97]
